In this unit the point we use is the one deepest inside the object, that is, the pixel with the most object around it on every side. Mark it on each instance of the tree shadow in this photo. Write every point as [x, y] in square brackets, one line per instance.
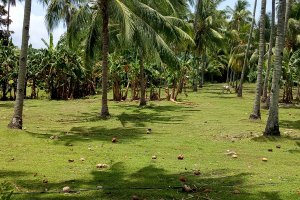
[290, 124]
[87, 134]
[6, 104]
[274, 138]
[12, 174]
[270, 195]
[289, 106]
[139, 117]
[150, 182]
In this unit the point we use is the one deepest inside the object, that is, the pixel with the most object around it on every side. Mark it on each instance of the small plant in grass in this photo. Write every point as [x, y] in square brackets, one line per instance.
[6, 191]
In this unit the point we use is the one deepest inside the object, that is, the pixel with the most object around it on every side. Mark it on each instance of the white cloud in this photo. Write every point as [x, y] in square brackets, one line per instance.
[37, 26]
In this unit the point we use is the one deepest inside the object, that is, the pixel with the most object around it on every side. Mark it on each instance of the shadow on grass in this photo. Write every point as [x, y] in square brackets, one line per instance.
[87, 134]
[6, 104]
[274, 138]
[138, 118]
[15, 174]
[152, 114]
[137, 115]
[150, 182]
[289, 106]
[290, 124]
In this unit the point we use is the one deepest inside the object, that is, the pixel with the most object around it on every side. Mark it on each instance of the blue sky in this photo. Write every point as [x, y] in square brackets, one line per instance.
[38, 29]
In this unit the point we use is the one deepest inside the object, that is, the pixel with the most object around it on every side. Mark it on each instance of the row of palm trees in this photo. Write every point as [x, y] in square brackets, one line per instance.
[166, 30]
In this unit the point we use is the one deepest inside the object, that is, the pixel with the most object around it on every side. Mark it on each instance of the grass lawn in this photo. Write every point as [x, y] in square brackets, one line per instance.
[203, 128]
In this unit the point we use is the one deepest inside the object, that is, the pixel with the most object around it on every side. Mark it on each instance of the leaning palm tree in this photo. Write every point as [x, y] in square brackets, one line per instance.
[240, 88]
[17, 119]
[256, 107]
[272, 126]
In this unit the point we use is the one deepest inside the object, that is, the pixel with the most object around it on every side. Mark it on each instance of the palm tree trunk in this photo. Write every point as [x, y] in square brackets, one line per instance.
[231, 77]
[17, 120]
[240, 88]
[287, 14]
[266, 81]
[298, 93]
[142, 79]
[272, 126]
[8, 12]
[256, 108]
[105, 49]
[227, 76]
[196, 16]
[203, 69]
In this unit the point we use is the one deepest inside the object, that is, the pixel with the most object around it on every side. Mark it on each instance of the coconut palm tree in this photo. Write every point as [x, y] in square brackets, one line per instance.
[131, 23]
[256, 107]
[272, 126]
[207, 30]
[271, 44]
[60, 11]
[240, 15]
[17, 119]
[9, 3]
[240, 88]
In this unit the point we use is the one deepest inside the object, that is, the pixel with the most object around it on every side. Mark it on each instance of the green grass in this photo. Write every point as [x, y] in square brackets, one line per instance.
[202, 129]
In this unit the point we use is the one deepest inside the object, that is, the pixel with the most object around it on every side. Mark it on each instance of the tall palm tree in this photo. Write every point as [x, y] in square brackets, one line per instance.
[240, 88]
[272, 126]
[132, 22]
[256, 107]
[207, 30]
[271, 44]
[17, 119]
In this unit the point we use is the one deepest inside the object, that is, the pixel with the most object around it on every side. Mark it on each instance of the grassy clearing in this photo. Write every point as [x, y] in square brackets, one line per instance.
[202, 129]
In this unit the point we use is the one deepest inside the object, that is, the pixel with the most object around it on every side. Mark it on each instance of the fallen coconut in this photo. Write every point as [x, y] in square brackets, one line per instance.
[134, 197]
[264, 159]
[207, 190]
[278, 146]
[186, 188]
[180, 157]
[182, 179]
[71, 160]
[236, 192]
[101, 166]
[234, 156]
[66, 189]
[114, 140]
[270, 150]
[230, 153]
[154, 157]
[82, 159]
[197, 172]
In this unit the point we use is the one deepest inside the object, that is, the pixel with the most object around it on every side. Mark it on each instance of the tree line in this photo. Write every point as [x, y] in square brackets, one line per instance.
[155, 46]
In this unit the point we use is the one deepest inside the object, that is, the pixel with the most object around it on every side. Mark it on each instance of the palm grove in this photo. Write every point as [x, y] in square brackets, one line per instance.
[144, 49]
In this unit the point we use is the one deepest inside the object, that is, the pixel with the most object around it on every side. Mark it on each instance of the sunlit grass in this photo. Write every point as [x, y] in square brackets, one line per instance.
[202, 128]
